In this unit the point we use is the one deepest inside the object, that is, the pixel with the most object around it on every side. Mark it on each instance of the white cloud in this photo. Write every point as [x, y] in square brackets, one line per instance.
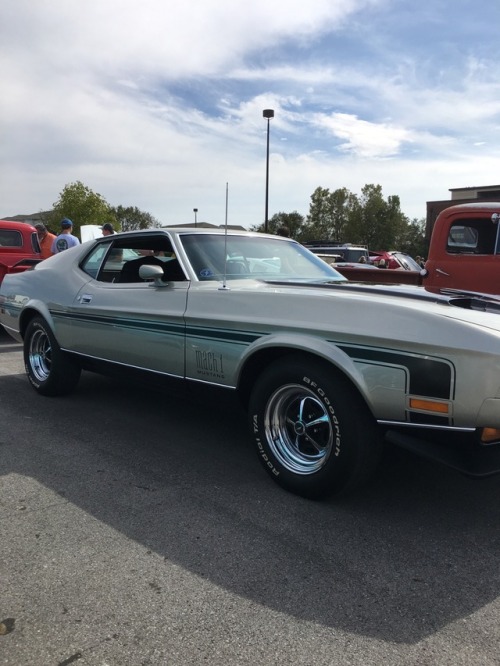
[363, 138]
[158, 105]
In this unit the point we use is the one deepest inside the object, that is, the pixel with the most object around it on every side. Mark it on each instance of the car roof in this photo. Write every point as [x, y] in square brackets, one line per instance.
[205, 232]
[18, 226]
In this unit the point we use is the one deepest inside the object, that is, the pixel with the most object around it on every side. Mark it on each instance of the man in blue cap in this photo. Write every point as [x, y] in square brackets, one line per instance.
[65, 239]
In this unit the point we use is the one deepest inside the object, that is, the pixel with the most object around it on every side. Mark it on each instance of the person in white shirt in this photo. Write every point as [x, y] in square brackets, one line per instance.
[65, 239]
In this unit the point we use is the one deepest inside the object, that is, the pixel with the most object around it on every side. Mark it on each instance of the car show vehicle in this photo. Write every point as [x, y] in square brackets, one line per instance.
[464, 253]
[19, 247]
[351, 261]
[339, 264]
[326, 369]
[393, 260]
[464, 250]
[345, 252]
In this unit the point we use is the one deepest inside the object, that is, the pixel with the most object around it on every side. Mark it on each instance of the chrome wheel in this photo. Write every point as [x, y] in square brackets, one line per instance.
[298, 429]
[40, 355]
[50, 370]
[314, 434]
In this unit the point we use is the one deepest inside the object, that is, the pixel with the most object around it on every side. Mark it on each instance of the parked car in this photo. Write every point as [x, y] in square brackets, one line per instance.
[347, 252]
[394, 260]
[19, 247]
[263, 318]
[339, 263]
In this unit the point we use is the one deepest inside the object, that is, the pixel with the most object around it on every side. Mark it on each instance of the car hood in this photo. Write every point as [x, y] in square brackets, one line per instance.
[460, 305]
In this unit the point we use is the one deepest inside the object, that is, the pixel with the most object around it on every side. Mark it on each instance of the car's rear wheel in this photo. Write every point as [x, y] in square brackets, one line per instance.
[50, 370]
[315, 435]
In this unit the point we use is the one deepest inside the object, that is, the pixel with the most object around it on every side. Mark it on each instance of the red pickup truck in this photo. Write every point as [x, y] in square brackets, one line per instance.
[464, 253]
[19, 248]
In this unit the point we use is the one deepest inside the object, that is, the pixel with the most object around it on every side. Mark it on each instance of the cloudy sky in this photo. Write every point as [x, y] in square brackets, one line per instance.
[158, 103]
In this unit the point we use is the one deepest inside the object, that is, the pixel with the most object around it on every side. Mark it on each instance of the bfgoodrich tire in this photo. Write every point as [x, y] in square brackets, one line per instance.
[50, 371]
[314, 434]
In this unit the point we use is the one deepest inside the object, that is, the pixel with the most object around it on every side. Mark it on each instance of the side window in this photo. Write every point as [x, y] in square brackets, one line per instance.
[120, 259]
[35, 243]
[462, 239]
[10, 238]
[93, 261]
[474, 238]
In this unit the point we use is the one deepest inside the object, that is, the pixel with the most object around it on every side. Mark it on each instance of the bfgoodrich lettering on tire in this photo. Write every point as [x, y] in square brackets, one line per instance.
[314, 433]
[50, 370]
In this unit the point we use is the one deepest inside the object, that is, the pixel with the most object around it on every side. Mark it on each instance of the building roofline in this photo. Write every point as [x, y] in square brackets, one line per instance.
[476, 187]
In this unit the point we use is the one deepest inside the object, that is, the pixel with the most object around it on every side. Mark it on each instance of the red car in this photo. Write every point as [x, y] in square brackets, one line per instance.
[394, 260]
[19, 248]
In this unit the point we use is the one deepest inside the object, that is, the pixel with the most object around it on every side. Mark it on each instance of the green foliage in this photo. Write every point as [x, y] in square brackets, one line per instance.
[368, 219]
[382, 221]
[131, 219]
[292, 221]
[329, 215]
[82, 206]
[413, 240]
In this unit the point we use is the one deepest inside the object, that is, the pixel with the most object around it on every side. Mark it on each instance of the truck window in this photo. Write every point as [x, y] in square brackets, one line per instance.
[10, 238]
[472, 237]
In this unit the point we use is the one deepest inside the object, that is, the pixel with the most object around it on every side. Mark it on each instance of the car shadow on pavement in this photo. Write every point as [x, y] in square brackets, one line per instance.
[415, 549]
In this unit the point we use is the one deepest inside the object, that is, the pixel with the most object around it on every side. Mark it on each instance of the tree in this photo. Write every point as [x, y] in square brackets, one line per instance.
[319, 220]
[131, 219]
[329, 215]
[82, 206]
[293, 221]
[343, 217]
[413, 240]
[382, 221]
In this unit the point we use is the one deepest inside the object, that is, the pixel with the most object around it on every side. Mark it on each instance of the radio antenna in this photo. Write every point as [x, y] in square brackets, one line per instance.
[224, 286]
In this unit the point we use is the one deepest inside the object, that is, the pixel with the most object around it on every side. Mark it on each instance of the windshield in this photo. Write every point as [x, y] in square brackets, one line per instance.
[407, 262]
[214, 257]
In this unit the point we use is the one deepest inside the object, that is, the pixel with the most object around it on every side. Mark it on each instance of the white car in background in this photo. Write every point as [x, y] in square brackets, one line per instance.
[90, 232]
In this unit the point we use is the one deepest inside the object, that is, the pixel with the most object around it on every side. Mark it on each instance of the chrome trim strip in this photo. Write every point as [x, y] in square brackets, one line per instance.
[426, 426]
[205, 381]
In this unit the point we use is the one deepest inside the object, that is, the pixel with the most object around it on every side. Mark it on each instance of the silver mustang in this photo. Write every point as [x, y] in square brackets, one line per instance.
[327, 369]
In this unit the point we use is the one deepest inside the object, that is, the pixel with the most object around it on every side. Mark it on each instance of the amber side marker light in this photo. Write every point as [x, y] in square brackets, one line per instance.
[490, 435]
[430, 405]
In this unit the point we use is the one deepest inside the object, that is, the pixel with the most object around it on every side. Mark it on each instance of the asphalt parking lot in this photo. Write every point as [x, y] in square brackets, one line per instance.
[139, 529]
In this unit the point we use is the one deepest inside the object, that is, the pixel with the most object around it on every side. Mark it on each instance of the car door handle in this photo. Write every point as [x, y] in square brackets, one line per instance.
[441, 272]
[85, 298]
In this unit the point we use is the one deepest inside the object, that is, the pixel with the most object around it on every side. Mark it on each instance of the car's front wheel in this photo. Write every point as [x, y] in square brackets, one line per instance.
[50, 370]
[315, 435]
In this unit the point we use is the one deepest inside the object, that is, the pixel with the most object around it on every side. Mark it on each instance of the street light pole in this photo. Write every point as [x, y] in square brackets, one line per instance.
[195, 211]
[267, 113]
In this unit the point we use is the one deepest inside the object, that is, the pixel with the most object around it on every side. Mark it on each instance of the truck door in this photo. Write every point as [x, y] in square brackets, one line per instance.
[467, 257]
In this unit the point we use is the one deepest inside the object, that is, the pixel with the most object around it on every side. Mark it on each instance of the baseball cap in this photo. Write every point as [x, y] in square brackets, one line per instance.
[66, 223]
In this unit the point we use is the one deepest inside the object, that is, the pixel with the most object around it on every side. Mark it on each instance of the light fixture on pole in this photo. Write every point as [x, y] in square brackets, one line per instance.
[267, 113]
[195, 211]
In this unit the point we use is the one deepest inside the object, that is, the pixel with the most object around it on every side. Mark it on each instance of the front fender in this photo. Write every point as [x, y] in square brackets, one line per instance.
[271, 347]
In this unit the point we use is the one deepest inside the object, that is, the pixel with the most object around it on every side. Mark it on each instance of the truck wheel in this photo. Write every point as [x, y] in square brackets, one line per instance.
[50, 371]
[314, 434]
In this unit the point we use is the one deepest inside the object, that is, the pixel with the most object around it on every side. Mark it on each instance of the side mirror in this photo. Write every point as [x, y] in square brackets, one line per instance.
[152, 272]
[495, 218]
